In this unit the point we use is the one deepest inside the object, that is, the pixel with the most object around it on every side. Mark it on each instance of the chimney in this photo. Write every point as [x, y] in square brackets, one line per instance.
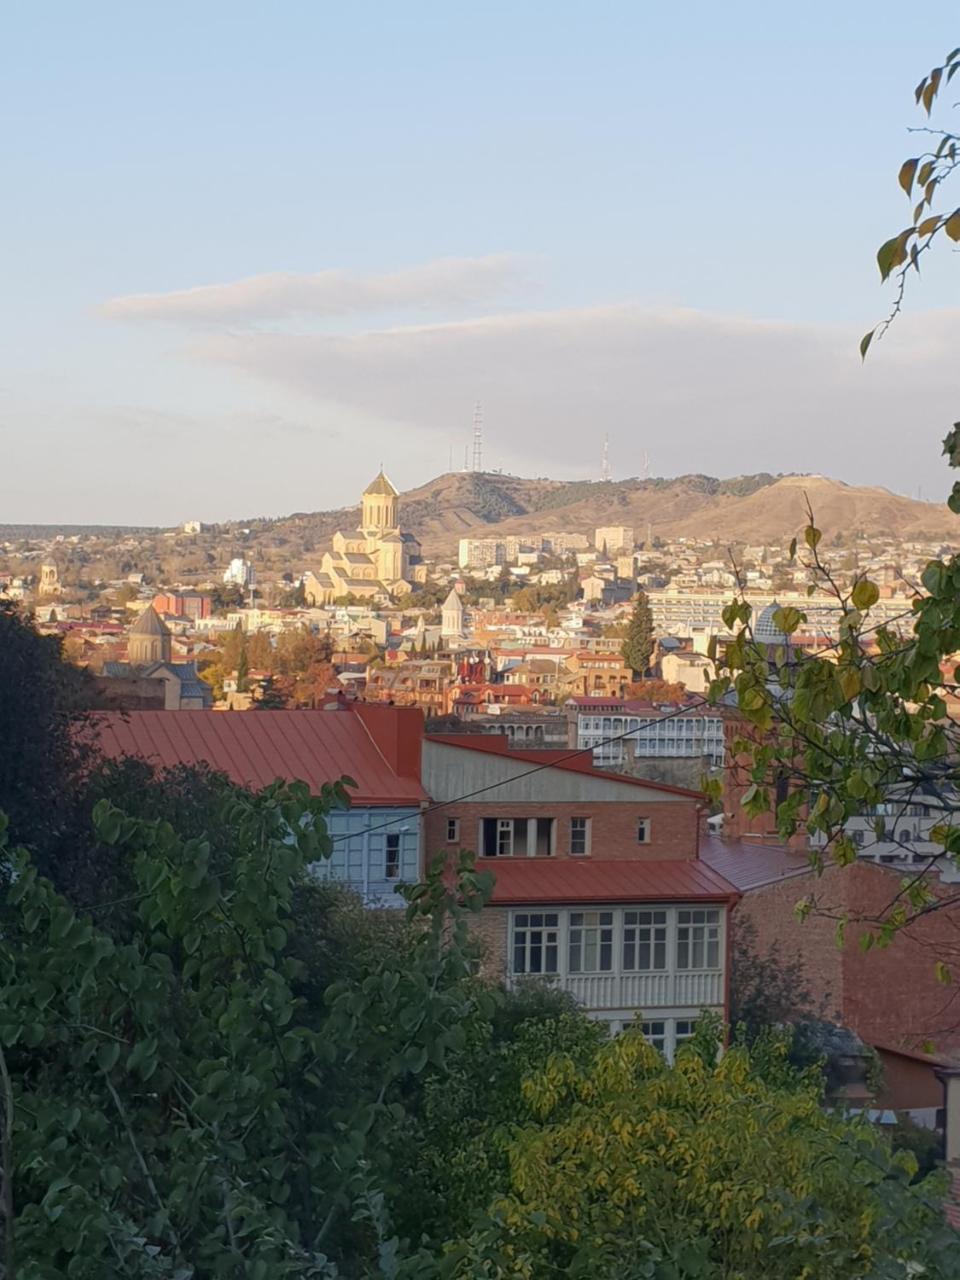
[397, 733]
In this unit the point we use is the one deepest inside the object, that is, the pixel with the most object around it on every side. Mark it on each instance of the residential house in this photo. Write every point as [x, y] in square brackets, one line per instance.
[599, 887]
[618, 729]
[596, 674]
[376, 841]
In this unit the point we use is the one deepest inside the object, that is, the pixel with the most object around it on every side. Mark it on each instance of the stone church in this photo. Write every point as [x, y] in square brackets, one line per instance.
[378, 559]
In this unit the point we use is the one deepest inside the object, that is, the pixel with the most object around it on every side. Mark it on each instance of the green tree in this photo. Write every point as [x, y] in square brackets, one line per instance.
[271, 697]
[179, 1102]
[864, 727]
[637, 647]
[42, 748]
[243, 670]
[625, 1166]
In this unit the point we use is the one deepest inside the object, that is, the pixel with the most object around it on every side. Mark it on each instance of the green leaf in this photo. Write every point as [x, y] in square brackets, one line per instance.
[943, 973]
[907, 173]
[812, 536]
[865, 594]
[107, 1055]
[887, 256]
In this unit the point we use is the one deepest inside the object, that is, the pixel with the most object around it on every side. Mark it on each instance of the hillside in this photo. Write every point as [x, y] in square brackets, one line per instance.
[760, 508]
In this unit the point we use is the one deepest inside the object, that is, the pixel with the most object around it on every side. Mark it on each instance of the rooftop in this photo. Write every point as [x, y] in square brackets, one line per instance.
[552, 880]
[254, 748]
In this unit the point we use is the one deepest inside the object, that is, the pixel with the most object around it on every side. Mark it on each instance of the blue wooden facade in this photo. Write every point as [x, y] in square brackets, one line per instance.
[375, 849]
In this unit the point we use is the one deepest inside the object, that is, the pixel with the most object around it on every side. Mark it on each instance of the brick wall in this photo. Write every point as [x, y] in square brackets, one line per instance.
[673, 826]
[490, 928]
[890, 995]
[771, 911]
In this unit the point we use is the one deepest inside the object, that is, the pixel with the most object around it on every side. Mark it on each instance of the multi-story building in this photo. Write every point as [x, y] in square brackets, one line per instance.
[376, 842]
[599, 887]
[617, 729]
[183, 604]
[612, 538]
[676, 612]
[596, 674]
[239, 573]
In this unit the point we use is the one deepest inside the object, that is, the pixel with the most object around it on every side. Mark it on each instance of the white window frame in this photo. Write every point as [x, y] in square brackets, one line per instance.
[644, 829]
[541, 932]
[453, 830]
[712, 936]
[391, 864]
[505, 828]
[647, 927]
[585, 831]
[591, 932]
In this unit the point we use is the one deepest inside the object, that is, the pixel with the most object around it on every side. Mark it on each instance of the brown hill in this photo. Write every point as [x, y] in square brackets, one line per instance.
[761, 508]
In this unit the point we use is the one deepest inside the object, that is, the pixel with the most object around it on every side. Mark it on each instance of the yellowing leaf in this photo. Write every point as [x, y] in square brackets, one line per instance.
[865, 594]
[907, 173]
[952, 225]
[928, 226]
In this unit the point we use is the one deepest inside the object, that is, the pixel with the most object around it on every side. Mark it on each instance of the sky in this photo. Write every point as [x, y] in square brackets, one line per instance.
[249, 252]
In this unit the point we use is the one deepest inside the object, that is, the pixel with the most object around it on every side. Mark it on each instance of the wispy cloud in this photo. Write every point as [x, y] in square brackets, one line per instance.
[451, 284]
[697, 392]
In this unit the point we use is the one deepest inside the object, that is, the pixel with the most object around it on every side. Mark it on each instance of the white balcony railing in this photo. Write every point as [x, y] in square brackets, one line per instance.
[644, 991]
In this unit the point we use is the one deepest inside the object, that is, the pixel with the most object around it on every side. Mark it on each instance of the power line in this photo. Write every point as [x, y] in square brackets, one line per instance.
[492, 786]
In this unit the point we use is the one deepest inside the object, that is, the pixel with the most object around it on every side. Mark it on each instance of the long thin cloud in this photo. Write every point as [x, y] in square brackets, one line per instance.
[449, 283]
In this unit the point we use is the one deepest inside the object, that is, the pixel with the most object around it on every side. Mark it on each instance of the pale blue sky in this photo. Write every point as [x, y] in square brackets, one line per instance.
[638, 191]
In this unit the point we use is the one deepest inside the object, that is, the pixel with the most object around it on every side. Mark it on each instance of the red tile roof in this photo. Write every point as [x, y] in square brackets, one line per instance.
[254, 748]
[564, 880]
[579, 761]
[751, 866]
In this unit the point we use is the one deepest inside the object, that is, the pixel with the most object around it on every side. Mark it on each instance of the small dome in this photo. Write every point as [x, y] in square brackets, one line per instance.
[766, 630]
[149, 624]
[380, 487]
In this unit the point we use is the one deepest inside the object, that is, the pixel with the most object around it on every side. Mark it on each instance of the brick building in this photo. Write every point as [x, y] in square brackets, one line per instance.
[599, 887]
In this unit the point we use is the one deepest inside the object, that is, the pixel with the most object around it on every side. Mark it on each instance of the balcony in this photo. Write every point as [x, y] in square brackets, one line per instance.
[644, 991]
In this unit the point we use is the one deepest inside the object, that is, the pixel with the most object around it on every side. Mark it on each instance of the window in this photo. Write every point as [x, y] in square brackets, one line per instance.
[453, 830]
[643, 831]
[392, 860]
[698, 939]
[683, 1029]
[504, 837]
[535, 942]
[644, 940]
[655, 1033]
[590, 946]
[579, 835]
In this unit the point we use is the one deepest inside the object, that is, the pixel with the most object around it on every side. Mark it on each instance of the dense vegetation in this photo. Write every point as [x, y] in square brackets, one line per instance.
[213, 1065]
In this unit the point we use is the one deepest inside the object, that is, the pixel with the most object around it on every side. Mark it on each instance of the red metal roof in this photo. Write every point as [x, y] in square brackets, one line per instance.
[751, 866]
[254, 748]
[578, 760]
[564, 880]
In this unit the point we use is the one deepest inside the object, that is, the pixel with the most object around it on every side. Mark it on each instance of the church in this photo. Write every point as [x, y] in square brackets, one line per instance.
[378, 559]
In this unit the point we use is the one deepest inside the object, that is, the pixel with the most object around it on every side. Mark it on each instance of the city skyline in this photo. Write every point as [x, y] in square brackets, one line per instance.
[256, 242]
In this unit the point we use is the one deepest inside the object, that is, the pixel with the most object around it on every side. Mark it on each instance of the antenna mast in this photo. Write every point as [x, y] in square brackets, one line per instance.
[605, 464]
[478, 438]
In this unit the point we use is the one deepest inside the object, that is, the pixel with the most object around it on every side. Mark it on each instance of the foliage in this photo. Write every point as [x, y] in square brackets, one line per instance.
[922, 178]
[767, 989]
[624, 1166]
[864, 727]
[179, 1107]
[41, 753]
[637, 647]
[271, 697]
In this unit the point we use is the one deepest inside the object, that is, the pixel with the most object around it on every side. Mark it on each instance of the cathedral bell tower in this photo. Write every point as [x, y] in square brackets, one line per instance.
[380, 508]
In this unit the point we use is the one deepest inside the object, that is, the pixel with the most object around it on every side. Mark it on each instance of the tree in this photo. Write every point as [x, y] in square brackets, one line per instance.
[625, 1166]
[863, 727]
[177, 1103]
[637, 647]
[42, 747]
[243, 670]
[272, 696]
[922, 176]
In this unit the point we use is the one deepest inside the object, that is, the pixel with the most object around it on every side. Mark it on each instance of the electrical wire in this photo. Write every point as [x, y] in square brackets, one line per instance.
[549, 764]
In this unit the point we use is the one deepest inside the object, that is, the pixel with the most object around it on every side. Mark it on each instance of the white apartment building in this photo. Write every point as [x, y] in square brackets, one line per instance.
[239, 572]
[675, 612]
[651, 732]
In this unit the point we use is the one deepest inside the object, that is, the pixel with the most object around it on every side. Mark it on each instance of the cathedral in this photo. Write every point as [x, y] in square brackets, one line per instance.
[376, 560]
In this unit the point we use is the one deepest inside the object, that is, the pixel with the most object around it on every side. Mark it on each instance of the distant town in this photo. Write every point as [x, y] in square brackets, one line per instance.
[521, 634]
